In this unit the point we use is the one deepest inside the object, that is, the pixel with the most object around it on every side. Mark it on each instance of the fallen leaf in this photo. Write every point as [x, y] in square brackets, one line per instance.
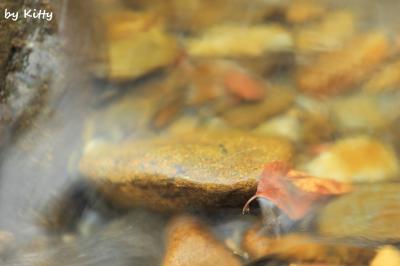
[317, 185]
[242, 84]
[294, 192]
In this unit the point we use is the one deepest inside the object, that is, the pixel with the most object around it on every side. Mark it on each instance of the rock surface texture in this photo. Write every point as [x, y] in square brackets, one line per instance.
[198, 169]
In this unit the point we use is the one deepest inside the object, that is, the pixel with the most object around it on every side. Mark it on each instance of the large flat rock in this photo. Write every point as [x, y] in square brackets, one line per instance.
[193, 170]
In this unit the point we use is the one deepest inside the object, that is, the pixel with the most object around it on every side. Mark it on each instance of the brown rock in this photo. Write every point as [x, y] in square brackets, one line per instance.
[329, 35]
[230, 40]
[304, 10]
[249, 115]
[302, 248]
[370, 213]
[196, 169]
[137, 45]
[337, 71]
[358, 159]
[360, 113]
[194, 15]
[190, 243]
[386, 79]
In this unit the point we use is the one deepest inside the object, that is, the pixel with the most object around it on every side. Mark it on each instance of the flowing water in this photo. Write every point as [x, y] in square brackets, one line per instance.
[51, 215]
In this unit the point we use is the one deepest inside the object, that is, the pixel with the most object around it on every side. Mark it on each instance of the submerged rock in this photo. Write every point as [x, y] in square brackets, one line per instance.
[370, 213]
[338, 71]
[360, 113]
[190, 243]
[137, 45]
[304, 11]
[196, 169]
[303, 248]
[386, 79]
[329, 35]
[250, 115]
[237, 41]
[387, 256]
[356, 159]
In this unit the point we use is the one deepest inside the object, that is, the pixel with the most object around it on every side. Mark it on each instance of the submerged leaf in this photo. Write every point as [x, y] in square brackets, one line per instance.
[293, 192]
[242, 84]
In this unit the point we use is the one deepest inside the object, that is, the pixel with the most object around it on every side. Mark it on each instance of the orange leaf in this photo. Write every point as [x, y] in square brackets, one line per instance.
[242, 84]
[317, 185]
[295, 193]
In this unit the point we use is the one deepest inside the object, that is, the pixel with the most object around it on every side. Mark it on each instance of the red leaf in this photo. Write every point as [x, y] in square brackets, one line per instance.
[242, 84]
[295, 193]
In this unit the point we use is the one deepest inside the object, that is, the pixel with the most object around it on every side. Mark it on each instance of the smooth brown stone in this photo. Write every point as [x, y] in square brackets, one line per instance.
[222, 41]
[370, 213]
[358, 159]
[191, 243]
[338, 71]
[330, 34]
[385, 79]
[193, 170]
[304, 11]
[249, 115]
[302, 248]
[137, 45]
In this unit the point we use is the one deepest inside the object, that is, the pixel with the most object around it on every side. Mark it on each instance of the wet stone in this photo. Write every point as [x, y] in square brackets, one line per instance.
[222, 41]
[387, 256]
[370, 213]
[328, 35]
[386, 79]
[199, 169]
[249, 115]
[297, 247]
[137, 45]
[338, 71]
[346, 161]
[189, 242]
[304, 11]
